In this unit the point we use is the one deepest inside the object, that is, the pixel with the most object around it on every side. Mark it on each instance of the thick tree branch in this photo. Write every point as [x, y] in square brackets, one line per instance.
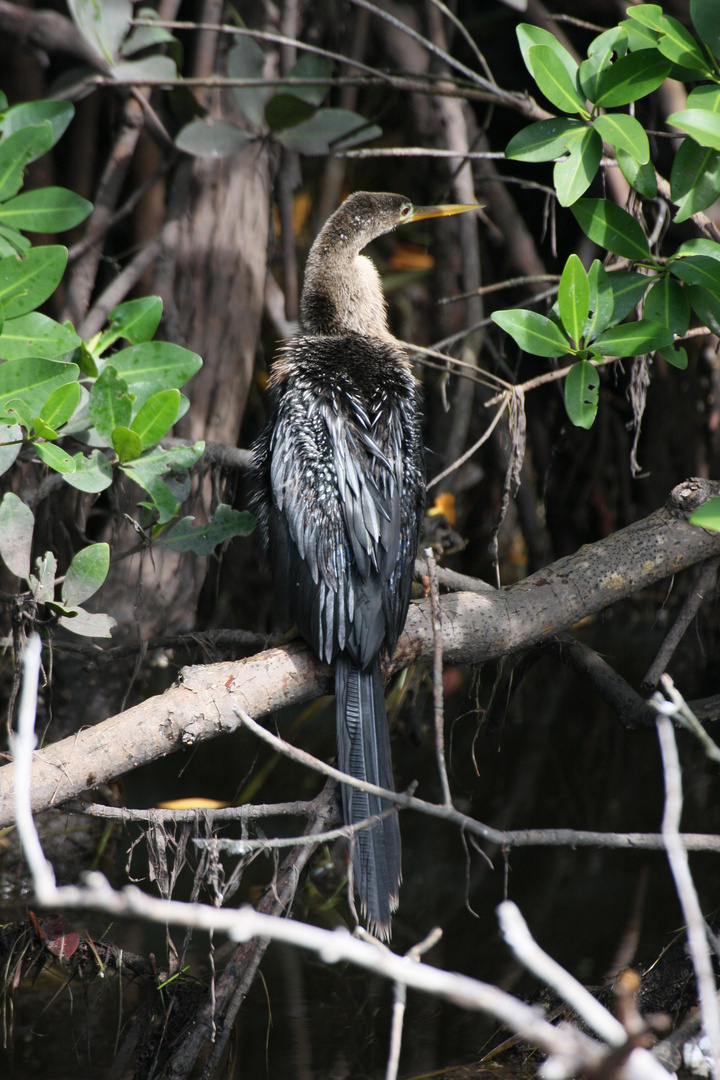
[475, 628]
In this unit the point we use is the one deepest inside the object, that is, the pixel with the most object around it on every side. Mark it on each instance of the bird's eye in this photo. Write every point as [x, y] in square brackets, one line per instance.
[405, 210]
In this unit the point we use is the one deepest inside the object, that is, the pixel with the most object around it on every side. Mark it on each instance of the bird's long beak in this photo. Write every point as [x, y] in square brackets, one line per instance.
[444, 210]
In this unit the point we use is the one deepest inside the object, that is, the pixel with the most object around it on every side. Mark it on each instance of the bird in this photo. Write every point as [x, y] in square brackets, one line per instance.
[338, 490]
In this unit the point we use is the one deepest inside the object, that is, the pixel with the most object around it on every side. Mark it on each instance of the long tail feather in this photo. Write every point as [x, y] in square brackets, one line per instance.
[364, 752]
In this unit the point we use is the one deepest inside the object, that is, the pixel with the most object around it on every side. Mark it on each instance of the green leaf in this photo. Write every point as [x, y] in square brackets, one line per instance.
[534, 333]
[61, 404]
[103, 23]
[650, 15]
[329, 129]
[699, 245]
[48, 209]
[145, 37]
[553, 78]
[85, 574]
[529, 35]
[639, 37]
[628, 289]
[246, 60]
[640, 177]
[10, 443]
[707, 516]
[705, 15]
[285, 110]
[126, 444]
[43, 430]
[574, 298]
[135, 320]
[701, 124]
[55, 457]
[156, 66]
[573, 174]
[667, 303]
[698, 270]
[17, 150]
[88, 624]
[16, 532]
[110, 404]
[156, 417]
[154, 471]
[601, 302]
[631, 78]
[675, 355]
[33, 380]
[12, 242]
[86, 361]
[217, 140]
[611, 227]
[18, 410]
[36, 335]
[581, 393]
[633, 339]
[624, 132]
[543, 141]
[680, 46]
[27, 283]
[203, 539]
[310, 66]
[92, 474]
[30, 113]
[155, 365]
[706, 306]
[42, 584]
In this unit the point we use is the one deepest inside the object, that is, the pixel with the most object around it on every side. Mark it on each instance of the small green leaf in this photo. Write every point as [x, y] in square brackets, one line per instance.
[707, 516]
[611, 227]
[218, 140]
[553, 78]
[698, 270]
[61, 404]
[581, 393]
[88, 624]
[17, 150]
[529, 35]
[42, 584]
[534, 333]
[10, 443]
[600, 53]
[639, 37]
[85, 574]
[110, 402]
[103, 25]
[43, 430]
[601, 303]
[705, 15]
[311, 66]
[156, 417]
[640, 177]
[329, 129]
[675, 355]
[543, 141]
[16, 532]
[155, 365]
[624, 132]
[47, 209]
[246, 60]
[631, 78]
[36, 335]
[628, 289]
[27, 283]
[203, 539]
[701, 124]
[135, 320]
[699, 245]
[285, 111]
[92, 474]
[12, 242]
[694, 178]
[573, 174]
[18, 409]
[126, 444]
[33, 380]
[680, 46]
[55, 457]
[30, 113]
[86, 361]
[157, 472]
[667, 303]
[706, 306]
[650, 15]
[574, 298]
[156, 66]
[633, 339]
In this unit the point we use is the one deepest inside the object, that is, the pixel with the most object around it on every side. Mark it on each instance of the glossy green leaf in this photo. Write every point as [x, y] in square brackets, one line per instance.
[553, 78]
[600, 54]
[246, 60]
[631, 78]
[203, 539]
[61, 404]
[18, 410]
[217, 140]
[707, 516]
[156, 417]
[574, 298]
[126, 444]
[47, 209]
[624, 132]
[10, 443]
[154, 471]
[43, 430]
[705, 15]
[16, 532]
[93, 472]
[601, 300]
[699, 245]
[55, 457]
[134, 320]
[639, 36]
[582, 385]
[29, 113]
[640, 177]
[611, 227]
[310, 66]
[27, 283]
[86, 361]
[529, 36]
[701, 124]
[533, 332]
[667, 303]
[36, 335]
[285, 111]
[675, 355]
[12, 242]
[633, 339]
[698, 270]
[88, 624]
[86, 574]
[573, 174]
[155, 365]
[33, 380]
[628, 289]
[543, 141]
[103, 25]
[110, 404]
[17, 150]
[679, 45]
[706, 306]
[329, 129]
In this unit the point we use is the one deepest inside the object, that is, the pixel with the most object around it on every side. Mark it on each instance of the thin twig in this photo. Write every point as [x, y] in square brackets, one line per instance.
[242, 847]
[475, 447]
[438, 702]
[400, 1002]
[704, 582]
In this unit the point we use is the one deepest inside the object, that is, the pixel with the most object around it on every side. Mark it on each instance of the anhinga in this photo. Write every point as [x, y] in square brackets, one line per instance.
[339, 491]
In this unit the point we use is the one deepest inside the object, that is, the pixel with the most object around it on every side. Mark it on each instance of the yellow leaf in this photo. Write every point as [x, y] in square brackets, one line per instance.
[193, 804]
[444, 504]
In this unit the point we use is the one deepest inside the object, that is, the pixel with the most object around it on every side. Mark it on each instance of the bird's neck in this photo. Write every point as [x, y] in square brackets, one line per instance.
[342, 294]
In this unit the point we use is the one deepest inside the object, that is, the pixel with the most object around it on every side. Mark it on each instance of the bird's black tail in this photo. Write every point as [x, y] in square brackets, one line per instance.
[364, 752]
